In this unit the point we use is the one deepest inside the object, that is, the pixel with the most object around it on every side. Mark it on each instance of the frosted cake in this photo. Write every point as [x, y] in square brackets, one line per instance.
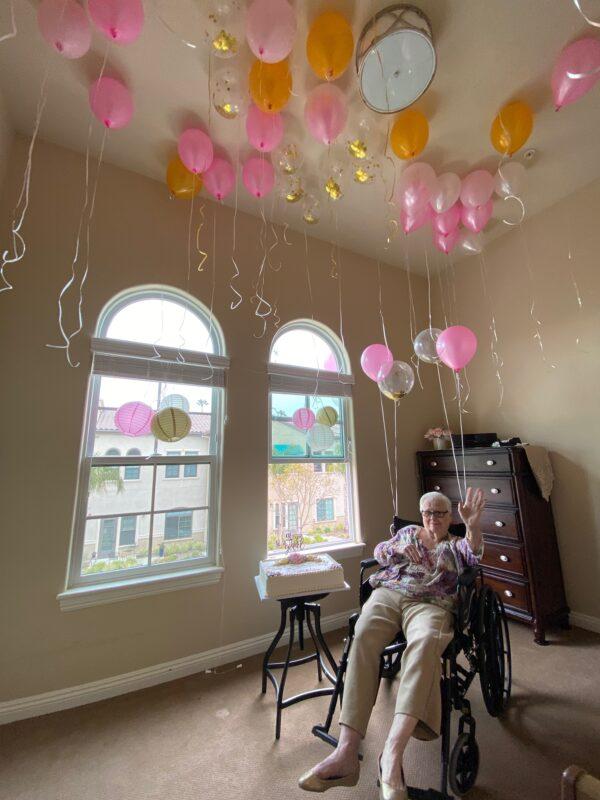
[299, 574]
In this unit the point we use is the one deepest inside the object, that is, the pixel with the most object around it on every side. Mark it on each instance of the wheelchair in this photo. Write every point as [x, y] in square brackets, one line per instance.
[481, 637]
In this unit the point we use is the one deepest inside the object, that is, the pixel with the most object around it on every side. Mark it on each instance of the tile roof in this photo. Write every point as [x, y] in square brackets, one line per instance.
[106, 422]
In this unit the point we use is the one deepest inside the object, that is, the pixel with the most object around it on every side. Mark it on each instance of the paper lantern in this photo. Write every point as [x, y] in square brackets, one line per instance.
[133, 419]
[327, 416]
[175, 401]
[303, 419]
[171, 424]
[320, 438]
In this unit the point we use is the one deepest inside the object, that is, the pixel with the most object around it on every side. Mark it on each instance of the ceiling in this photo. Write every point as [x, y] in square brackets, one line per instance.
[489, 53]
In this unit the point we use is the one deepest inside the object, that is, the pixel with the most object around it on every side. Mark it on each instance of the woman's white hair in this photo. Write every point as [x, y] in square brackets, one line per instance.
[433, 497]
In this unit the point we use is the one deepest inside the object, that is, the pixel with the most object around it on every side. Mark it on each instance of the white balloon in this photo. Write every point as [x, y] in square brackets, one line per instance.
[471, 243]
[509, 179]
[446, 192]
[424, 345]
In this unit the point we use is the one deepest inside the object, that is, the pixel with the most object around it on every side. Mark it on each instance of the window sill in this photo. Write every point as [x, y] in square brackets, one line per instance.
[113, 592]
[350, 550]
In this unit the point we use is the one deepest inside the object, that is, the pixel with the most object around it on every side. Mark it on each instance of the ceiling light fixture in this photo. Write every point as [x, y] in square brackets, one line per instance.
[395, 58]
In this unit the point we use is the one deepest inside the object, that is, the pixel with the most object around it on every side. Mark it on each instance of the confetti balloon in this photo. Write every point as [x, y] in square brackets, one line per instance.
[321, 438]
[133, 419]
[398, 382]
[229, 93]
[291, 188]
[303, 418]
[310, 210]
[327, 416]
[424, 345]
[181, 182]
[288, 158]
[224, 28]
[171, 424]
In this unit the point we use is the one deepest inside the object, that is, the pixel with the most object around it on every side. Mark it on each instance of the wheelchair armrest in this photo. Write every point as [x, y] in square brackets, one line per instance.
[368, 562]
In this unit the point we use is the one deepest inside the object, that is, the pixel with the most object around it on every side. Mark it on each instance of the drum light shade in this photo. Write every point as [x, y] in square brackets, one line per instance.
[395, 58]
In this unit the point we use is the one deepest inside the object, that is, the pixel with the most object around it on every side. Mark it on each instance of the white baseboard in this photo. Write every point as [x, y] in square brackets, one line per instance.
[585, 621]
[48, 702]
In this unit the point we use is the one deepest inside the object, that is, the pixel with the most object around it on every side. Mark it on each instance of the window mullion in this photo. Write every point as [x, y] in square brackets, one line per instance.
[151, 533]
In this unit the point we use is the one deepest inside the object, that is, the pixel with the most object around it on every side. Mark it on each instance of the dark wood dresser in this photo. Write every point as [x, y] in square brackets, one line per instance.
[521, 560]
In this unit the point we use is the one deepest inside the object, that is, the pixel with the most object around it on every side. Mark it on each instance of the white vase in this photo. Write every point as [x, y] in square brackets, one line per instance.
[439, 443]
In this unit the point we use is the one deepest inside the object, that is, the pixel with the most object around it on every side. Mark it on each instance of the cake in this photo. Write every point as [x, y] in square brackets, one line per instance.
[300, 574]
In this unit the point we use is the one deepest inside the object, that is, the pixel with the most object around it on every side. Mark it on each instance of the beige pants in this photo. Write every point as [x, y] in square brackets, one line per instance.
[428, 630]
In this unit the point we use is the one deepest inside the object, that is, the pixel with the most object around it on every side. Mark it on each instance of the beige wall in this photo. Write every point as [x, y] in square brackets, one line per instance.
[557, 408]
[6, 138]
[139, 236]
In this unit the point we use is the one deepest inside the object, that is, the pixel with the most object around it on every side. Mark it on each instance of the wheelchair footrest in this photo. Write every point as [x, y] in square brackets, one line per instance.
[427, 794]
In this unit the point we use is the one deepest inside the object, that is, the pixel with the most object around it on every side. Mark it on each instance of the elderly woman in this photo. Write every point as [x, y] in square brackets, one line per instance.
[415, 590]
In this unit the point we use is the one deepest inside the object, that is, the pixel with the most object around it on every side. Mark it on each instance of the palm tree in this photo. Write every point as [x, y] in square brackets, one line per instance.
[102, 477]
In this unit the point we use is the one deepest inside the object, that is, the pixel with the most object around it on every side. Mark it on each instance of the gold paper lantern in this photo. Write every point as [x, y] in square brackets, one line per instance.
[327, 416]
[171, 424]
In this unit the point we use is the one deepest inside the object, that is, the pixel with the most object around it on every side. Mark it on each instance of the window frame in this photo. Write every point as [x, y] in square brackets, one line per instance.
[290, 379]
[116, 358]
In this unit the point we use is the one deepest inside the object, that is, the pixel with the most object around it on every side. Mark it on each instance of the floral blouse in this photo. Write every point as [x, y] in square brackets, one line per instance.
[434, 580]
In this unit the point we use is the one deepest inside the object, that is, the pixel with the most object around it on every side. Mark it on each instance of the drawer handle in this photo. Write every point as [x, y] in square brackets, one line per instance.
[508, 593]
[495, 491]
[499, 524]
[490, 462]
[433, 463]
[504, 558]
[436, 488]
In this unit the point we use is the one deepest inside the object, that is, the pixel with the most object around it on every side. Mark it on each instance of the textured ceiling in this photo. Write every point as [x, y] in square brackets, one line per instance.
[489, 52]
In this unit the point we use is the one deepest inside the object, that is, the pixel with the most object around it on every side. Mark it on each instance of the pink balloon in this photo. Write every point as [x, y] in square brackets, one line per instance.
[446, 192]
[578, 58]
[111, 102]
[121, 21]
[456, 346]
[416, 186]
[447, 221]
[477, 188]
[133, 419]
[303, 419]
[258, 176]
[412, 222]
[195, 150]
[270, 29]
[446, 243]
[265, 131]
[476, 218]
[64, 25]
[376, 361]
[219, 178]
[326, 112]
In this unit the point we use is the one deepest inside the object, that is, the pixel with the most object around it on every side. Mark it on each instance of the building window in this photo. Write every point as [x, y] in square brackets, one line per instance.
[127, 532]
[178, 525]
[154, 348]
[325, 509]
[132, 472]
[311, 470]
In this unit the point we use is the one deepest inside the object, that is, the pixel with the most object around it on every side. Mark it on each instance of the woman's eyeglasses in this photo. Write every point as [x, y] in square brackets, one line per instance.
[434, 514]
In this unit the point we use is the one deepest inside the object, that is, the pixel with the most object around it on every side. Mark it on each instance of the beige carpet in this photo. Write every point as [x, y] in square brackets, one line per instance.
[211, 736]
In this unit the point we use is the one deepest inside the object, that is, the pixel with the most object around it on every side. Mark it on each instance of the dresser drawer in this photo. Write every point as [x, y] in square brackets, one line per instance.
[496, 490]
[502, 522]
[503, 556]
[512, 594]
[437, 461]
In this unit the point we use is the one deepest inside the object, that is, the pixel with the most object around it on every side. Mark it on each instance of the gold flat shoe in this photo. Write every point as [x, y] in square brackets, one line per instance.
[312, 783]
[388, 792]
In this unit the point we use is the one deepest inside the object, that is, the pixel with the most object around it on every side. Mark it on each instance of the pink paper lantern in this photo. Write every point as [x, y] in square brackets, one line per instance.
[195, 150]
[134, 418]
[111, 102]
[477, 188]
[265, 131]
[447, 221]
[476, 218]
[258, 176]
[219, 178]
[121, 21]
[65, 26]
[303, 419]
[376, 361]
[270, 29]
[446, 243]
[412, 222]
[456, 346]
[326, 112]
[578, 58]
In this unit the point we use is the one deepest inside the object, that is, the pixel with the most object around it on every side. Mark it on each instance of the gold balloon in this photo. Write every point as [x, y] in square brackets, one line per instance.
[327, 416]
[329, 45]
[181, 182]
[409, 134]
[512, 127]
[270, 85]
[293, 190]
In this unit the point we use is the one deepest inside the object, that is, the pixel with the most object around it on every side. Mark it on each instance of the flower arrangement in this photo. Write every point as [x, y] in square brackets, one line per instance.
[437, 433]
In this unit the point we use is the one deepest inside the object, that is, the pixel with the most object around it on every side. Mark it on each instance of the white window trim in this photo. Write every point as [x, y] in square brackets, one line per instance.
[110, 358]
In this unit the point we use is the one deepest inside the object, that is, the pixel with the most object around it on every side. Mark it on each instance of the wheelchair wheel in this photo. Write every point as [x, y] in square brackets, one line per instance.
[464, 764]
[493, 651]
[391, 665]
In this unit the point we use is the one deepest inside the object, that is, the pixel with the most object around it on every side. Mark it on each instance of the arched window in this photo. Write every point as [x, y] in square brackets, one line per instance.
[156, 394]
[311, 476]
